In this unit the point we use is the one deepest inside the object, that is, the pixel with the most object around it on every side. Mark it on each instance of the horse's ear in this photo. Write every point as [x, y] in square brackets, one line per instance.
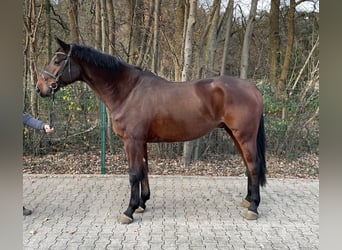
[62, 44]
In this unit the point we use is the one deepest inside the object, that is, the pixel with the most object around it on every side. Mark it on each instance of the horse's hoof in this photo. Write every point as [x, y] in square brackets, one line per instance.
[245, 203]
[250, 215]
[26, 211]
[124, 219]
[139, 210]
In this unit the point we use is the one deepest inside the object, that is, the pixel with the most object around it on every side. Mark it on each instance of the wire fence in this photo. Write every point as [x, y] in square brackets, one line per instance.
[77, 129]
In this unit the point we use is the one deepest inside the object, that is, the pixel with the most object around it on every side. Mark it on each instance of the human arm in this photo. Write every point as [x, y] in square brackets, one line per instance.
[35, 123]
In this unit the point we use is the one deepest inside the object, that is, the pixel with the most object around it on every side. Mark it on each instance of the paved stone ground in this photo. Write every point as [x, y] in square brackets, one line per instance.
[80, 212]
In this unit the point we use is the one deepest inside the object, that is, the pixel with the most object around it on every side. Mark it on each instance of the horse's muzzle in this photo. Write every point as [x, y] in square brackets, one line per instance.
[44, 93]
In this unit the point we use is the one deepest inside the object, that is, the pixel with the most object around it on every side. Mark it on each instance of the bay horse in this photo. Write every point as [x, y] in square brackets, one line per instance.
[147, 108]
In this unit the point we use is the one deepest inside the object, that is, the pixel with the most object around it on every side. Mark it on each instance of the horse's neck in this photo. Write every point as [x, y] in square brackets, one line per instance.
[110, 87]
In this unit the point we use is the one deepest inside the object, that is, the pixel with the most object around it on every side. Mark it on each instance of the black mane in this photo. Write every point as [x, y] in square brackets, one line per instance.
[100, 59]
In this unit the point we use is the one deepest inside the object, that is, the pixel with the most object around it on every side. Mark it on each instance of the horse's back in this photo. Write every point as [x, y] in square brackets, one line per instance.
[229, 91]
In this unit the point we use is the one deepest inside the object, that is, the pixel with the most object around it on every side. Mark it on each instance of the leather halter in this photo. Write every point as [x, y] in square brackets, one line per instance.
[56, 77]
[60, 72]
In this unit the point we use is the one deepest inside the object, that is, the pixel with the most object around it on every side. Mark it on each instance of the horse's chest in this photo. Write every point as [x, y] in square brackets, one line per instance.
[118, 129]
[128, 128]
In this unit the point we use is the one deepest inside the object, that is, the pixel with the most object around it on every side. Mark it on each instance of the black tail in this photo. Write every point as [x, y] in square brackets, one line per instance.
[261, 147]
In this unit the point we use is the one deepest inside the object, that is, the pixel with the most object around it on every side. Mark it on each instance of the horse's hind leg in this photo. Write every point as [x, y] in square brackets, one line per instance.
[246, 202]
[247, 149]
[252, 199]
[145, 187]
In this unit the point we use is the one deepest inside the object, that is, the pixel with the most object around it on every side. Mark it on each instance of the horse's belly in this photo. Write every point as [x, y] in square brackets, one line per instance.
[181, 130]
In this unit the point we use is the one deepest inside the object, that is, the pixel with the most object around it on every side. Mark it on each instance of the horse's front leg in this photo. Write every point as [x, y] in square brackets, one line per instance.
[135, 155]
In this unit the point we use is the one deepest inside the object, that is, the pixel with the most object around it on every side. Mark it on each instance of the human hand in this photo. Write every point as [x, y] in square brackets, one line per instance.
[47, 128]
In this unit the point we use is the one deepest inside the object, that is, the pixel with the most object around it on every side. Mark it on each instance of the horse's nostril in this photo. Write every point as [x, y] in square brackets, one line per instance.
[37, 90]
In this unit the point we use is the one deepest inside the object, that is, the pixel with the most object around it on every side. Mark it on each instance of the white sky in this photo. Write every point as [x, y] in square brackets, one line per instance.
[308, 6]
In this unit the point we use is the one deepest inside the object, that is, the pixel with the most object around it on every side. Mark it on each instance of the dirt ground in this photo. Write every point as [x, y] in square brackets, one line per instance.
[306, 166]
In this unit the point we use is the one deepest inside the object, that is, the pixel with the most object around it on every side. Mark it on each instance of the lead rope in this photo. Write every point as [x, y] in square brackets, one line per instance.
[51, 118]
[52, 112]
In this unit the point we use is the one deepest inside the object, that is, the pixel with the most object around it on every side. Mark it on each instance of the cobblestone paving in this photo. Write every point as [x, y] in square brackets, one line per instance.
[81, 211]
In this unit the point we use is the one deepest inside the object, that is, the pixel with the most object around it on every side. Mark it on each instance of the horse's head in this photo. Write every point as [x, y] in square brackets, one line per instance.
[60, 72]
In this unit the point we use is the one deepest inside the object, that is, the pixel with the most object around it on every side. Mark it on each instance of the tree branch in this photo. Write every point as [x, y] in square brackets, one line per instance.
[59, 19]
[304, 66]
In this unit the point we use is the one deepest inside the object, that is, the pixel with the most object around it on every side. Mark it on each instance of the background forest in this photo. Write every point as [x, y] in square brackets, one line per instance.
[273, 43]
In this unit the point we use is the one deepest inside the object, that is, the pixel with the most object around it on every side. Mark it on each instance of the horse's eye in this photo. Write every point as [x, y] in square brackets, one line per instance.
[56, 61]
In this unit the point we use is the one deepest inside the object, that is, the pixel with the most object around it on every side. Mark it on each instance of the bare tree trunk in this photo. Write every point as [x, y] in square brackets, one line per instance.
[212, 39]
[229, 11]
[211, 45]
[186, 72]
[48, 28]
[287, 59]
[289, 46]
[202, 58]
[111, 47]
[136, 13]
[25, 69]
[98, 25]
[73, 20]
[274, 41]
[155, 45]
[179, 38]
[111, 26]
[33, 77]
[146, 40]
[247, 40]
[104, 26]
[31, 21]
[188, 146]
